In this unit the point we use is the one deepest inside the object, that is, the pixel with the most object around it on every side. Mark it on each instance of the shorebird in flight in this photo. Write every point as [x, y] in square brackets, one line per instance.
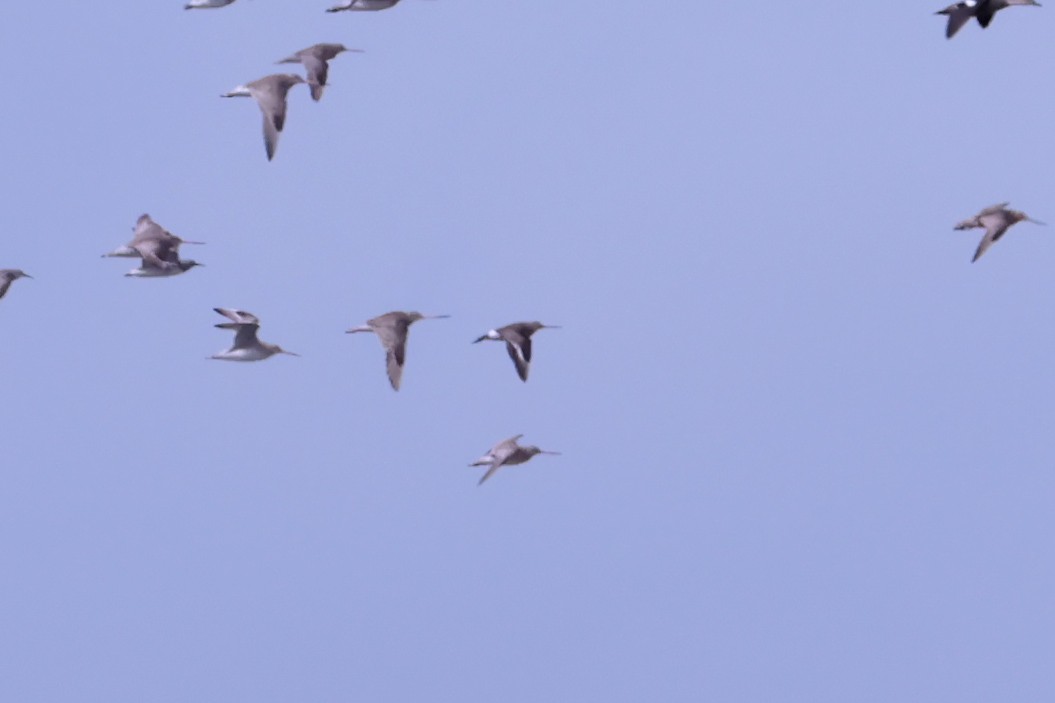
[392, 328]
[506, 453]
[196, 4]
[9, 276]
[157, 249]
[368, 5]
[246, 347]
[314, 60]
[996, 219]
[517, 337]
[147, 230]
[982, 10]
[270, 94]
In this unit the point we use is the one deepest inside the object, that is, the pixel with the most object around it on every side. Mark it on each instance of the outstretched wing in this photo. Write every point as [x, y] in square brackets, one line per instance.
[958, 17]
[244, 335]
[494, 467]
[394, 340]
[991, 235]
[317, 70]
[238, 315]
[520, 354]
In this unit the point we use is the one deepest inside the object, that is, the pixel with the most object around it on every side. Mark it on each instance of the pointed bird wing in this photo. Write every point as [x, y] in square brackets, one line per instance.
[501, 453]
[272, 101]
[993, 209]
[505, 447]
[494, 467]
[985, 14]
[5, 282]
[273, 122]
[521, 357]
[958, 17]
[238, 315]
[154, 252]
[244, 335]
[995, 223]
[146, 228]
[991, 235]
[317, 70]
[394, 340]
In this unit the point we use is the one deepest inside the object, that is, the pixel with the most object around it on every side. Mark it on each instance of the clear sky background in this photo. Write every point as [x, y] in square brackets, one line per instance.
[807, 445]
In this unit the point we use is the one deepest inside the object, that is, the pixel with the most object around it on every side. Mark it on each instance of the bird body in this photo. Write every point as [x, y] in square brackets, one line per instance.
[246, 347]
[270, 94]
[314, 59]
[982, 10]
[517, 337]
[392, 329]
[9, 276]
[506, 453]
[995, 219]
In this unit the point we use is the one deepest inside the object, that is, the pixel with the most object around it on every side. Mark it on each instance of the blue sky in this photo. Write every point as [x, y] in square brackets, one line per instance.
[806, 443]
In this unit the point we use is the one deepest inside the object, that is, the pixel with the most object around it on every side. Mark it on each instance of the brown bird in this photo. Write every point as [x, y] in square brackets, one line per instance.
[995, 219]
[392, 329]
[314, 59]
[517, 337]
[982, 10]
[506, 453]
[270, 94]
[9, 276]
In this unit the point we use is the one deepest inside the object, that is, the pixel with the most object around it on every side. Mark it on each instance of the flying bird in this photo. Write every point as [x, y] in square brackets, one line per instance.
[982, 10]
[246, 347]
[147, 229]
[9, 276]
[202, 4]
[314, 60]
[270, 94]
[158, 250]
[517, 337]
[506, 453]
[368, 5]
[996, 219]
[392, 328]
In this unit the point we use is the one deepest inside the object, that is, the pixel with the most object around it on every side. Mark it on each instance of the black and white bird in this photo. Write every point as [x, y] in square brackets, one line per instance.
[982, 10]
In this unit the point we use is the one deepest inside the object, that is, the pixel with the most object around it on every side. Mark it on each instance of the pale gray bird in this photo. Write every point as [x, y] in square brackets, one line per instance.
[506, 453]
[314, 59]
[246, 347]
[392, 329]
[270, 94]
[202, 4]
[368, 5]
[995, 219]
[147, 229]
[982, 10]
[9, 276]
[517, 337]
